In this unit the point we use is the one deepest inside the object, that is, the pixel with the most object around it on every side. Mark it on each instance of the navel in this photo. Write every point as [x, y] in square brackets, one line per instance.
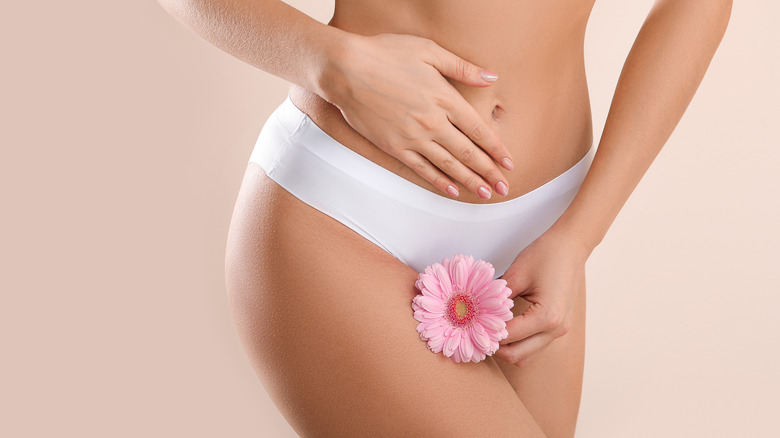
[498, 112]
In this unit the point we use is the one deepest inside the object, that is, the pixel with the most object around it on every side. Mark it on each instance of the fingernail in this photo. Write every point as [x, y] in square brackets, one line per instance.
[501, 188]
[453, 191]
[508, 164]
[484, 193]
[488, 75]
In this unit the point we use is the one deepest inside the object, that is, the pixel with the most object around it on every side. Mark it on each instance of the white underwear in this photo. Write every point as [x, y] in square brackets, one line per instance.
[413, 224]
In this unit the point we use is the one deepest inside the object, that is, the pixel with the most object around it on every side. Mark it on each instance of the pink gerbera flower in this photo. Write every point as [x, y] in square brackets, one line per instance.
[462, 310]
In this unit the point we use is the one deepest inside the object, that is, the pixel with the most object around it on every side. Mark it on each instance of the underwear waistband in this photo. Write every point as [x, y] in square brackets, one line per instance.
[300, 132]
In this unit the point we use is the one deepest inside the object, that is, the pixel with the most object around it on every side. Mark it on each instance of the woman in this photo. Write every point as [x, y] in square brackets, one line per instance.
[414, 130]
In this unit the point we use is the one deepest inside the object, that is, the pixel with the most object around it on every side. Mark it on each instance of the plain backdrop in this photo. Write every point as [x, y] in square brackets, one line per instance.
[124, 140]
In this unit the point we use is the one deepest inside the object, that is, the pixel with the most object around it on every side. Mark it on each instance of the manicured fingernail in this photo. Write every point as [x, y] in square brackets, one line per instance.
[508, 164]
[488, 75]
[453, 191]
[501, 188]
[484, 193]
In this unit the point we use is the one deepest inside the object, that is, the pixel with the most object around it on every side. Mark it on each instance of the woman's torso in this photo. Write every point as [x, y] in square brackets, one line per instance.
[539, 106]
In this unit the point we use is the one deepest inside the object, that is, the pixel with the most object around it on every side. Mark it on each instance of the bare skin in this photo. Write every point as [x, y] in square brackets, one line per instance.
[538, 106]
[324, 314]
[326, 320]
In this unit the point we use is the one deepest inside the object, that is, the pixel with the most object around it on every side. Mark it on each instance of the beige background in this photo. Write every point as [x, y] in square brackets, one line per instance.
[124, 138]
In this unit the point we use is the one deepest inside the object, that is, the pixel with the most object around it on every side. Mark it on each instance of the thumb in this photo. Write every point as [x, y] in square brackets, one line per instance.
[459, 69]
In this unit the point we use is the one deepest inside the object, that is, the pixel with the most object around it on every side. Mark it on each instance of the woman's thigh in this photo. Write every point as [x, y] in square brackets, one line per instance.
[326, 319]
[550, 385]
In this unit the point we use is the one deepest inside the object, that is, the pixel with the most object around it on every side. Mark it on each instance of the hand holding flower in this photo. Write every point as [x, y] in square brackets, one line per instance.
[547, 273]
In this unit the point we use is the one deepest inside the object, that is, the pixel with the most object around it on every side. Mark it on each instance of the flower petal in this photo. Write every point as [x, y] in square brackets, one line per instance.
[466, 347]
[452, 343]
[492, 305]
[423, 315]
[468, 261]
[458, 272]
[491, 322]
[456, 356]
[436, 329]
[421, 330]
[481, 273]
[498, 335]
[423, 326]
[506, 315]
[508, 303]
[445, 283]
[480, 337]
[436, 344]
[494, 288]
[430, 304]
[446, 264]
[432, 287]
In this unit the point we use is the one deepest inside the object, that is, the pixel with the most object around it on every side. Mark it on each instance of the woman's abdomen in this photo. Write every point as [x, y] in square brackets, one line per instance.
[539, 106]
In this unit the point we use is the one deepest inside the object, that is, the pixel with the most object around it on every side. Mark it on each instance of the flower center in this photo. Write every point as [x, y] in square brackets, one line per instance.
[461, 309]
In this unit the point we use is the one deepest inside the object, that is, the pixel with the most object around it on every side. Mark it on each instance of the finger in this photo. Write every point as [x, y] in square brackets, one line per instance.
[530, 323]
[519, 353]
[467, 120]
[472, 166]
[459, 69]
[517, 280]
[423, 167]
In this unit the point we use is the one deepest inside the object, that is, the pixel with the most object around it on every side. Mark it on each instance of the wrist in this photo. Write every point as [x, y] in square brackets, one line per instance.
[579, 242]
[330, 79]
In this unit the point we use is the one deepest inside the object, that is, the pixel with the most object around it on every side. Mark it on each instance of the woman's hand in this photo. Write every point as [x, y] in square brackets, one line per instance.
[547, 273]
[392, 90]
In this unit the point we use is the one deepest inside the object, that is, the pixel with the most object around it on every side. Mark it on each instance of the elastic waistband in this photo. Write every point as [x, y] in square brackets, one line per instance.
[301, 132]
